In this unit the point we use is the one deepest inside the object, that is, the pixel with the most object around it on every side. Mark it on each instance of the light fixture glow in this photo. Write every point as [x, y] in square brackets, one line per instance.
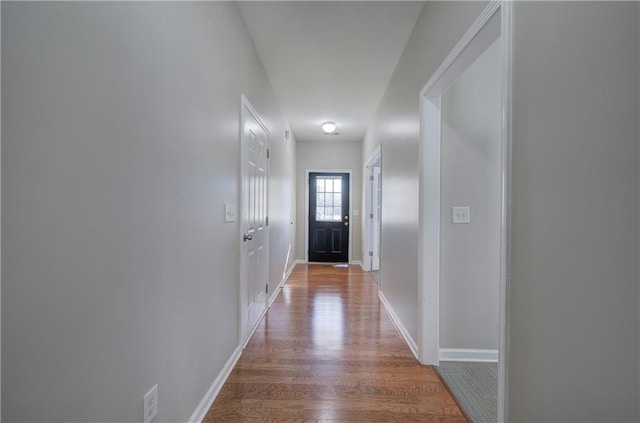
[329, 127]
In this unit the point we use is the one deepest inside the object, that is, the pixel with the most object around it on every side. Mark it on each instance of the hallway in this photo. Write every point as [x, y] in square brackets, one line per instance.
[327, 351]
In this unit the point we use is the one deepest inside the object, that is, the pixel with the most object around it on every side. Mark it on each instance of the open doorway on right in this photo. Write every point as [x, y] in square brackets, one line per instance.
[470, 235]
[373, 211]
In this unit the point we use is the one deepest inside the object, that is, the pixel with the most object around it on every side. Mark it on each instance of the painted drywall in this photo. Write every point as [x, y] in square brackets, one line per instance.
[316, 155]
[471, 173]
[120, 148]
[395, 127]
[573, 322]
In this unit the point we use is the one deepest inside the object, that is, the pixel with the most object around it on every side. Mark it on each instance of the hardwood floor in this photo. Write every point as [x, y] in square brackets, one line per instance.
[327, 352]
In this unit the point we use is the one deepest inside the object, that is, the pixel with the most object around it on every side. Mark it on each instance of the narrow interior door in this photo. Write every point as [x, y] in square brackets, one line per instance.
[328, 217]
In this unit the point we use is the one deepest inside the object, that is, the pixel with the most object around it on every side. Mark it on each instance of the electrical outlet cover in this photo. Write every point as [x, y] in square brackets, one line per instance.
[151, 404]
[460, 215]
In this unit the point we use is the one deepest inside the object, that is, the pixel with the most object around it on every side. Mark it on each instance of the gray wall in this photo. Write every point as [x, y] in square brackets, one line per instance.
[471, 176]
[574, 270]
[574, 244]
[120, 147]
[395, 126]
[332, 155]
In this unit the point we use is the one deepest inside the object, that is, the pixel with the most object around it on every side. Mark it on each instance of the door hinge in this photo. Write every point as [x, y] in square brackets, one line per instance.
[371, 177]
[370, 215]
[370, 253]
[268, 153]
[267, 221]
[266, 288]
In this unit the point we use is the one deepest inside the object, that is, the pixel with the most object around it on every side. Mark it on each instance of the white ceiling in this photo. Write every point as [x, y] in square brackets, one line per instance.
[330, 60]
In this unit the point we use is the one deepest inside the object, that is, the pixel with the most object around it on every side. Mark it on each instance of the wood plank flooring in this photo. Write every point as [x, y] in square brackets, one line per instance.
[327, 352]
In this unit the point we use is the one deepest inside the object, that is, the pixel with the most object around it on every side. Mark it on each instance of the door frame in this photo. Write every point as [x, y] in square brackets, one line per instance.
[374, 158]
[306, 209]
[495, 19]
[244, 334]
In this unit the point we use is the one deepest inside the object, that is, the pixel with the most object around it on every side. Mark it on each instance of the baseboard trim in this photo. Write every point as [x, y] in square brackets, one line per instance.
[281, 283]
[468, 355]
[206, 402]
[356, 263]
[396, 321]
[301, 261]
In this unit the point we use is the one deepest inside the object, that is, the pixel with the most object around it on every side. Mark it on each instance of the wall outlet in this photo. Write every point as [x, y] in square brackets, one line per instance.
[460, 215]
[151, 404]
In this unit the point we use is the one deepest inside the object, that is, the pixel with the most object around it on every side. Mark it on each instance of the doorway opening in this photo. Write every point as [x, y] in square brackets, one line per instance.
[373, 214]
[328, 224]
[464, 214]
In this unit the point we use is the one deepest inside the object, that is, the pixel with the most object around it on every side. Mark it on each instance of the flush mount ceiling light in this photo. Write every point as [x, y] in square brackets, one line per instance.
[329, 127]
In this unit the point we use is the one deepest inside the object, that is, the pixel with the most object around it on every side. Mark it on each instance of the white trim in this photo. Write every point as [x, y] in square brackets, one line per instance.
[299, 261]
[205, 404]
[356, 263]
[306, 209]
[366, 226]
[429, 232]
[506, 32]
[399, 325]
[276, 291]
[253, 329]
[469, 355]
[439, 82]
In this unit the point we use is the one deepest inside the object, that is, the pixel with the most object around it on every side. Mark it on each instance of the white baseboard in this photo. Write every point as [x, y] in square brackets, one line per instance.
[356, 263]
[289, 272]
[396, 320]
[204, 406]
[301, 261]
[286, 275]
[468, 355]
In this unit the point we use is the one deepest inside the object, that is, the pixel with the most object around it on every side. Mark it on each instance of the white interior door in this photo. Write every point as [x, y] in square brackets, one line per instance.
[254, 219]
[376, 206]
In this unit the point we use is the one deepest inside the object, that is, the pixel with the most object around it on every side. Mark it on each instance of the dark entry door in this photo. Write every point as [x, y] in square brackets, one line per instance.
[328, 217]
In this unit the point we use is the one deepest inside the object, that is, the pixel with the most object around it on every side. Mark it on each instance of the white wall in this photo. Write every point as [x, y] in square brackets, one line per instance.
[395, 126]
[574, 244]
[471, 176]
[120, 147]
[332, 155]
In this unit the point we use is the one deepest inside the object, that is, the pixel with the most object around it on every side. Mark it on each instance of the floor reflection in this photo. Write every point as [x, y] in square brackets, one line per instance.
[327, 351]
[327, 320]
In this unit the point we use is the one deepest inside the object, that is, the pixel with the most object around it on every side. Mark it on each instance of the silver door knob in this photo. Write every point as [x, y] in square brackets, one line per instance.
[346, 223]
[246, 237]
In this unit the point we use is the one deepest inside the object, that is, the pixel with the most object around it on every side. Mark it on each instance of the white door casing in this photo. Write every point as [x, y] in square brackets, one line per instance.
[369, 234]
[376, 206]
[254, 230]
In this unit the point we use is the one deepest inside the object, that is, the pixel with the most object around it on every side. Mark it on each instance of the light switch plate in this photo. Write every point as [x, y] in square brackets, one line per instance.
[229, 213]
[460, 215]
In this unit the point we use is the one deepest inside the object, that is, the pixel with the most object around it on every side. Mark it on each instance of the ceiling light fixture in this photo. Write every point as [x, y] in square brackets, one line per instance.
[329, 127]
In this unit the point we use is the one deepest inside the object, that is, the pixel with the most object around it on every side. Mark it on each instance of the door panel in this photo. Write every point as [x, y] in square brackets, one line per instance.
[328, 217]
[254, 213]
